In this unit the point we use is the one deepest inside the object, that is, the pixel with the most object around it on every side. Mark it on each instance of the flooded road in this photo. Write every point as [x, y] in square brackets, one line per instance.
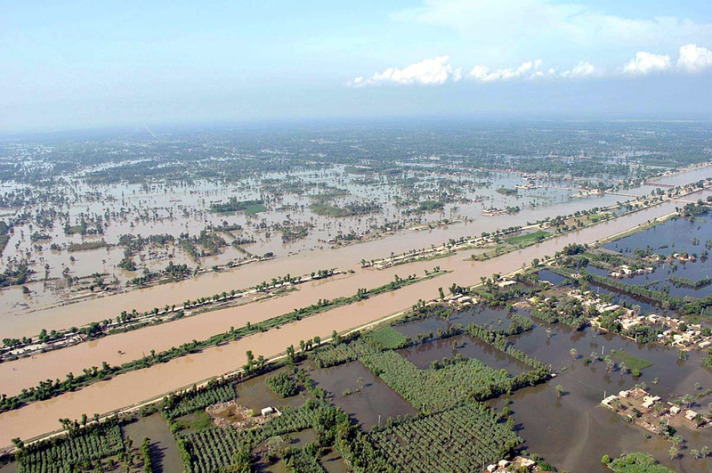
[137, 386]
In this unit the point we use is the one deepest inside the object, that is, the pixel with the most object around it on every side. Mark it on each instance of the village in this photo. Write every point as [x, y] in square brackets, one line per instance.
[673, 331]
[652, 413]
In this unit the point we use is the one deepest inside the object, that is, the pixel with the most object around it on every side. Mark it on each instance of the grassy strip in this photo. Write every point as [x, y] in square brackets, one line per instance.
[234, 205]
[528, 239]
[387, 338]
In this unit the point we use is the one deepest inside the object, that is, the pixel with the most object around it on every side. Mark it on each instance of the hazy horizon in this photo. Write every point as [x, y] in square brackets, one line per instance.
[75, 65]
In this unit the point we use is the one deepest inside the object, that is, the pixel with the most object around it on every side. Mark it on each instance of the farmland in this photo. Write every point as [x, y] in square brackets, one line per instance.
[426, 444]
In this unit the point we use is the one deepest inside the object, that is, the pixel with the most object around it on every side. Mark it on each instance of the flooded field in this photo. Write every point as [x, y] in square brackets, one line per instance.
[574, 431]
[89, 232]
[255, 394]
[490, 317]
[120, 391]
[332, 463]
[552, 277]
[682, 236]
[361, 394]
[425, 354]
[23, 320]
[26, 314]
[164, 453]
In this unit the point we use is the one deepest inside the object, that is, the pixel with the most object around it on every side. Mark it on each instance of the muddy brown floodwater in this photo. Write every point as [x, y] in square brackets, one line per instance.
[23, 323]
[120, 348]
[135, 387]
[575, 431]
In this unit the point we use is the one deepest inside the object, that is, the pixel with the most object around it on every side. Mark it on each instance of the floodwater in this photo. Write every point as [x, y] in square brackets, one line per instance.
[137, 386]
[120, 348]
[255, 394]
[174, 209]
[422, 355]
[552, 277]
[333, 463]
[144, 384]
[9, 468]
[674, 236]
[23, 321]
[371, 400]
[574, 432]
[164, 452]
[494, 318]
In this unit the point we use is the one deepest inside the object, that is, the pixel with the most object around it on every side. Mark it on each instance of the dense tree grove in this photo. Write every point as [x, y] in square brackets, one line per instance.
[82, 446]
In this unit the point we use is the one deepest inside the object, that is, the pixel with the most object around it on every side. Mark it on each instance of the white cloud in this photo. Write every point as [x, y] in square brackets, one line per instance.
[646, 63]
[433, 71]
[528, 70]
[438, 70]
[582, 69]
[693, 58]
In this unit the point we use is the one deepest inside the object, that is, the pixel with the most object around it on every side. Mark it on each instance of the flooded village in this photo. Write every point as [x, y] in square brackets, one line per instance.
[282, 307]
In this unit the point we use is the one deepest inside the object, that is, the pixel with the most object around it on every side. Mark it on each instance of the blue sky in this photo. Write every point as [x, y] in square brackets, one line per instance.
[97, 63]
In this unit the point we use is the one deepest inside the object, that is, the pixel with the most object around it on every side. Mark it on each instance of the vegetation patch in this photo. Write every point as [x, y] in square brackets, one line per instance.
[176, 405]
[218, 449]
[461, 439]
[282, 385]
[333, 355]
[298, 460]
[348, 210]
[637, 463]
[80, 447]
[528, 238]
[507, 191]
[434, 389]
[387, 338]
[631, 361]
[86, 246]
[234, 205]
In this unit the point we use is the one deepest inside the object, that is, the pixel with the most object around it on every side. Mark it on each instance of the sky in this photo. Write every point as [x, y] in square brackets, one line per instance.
[77, 64]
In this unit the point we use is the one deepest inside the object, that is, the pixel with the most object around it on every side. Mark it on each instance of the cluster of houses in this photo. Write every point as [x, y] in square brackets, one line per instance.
[691, 337]
[625, 271]
[676, 332]
[441, 250]
[684, 257]
[460, 300]
[493, 211]
[585, 192]
[647, 410]
[528, 186]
